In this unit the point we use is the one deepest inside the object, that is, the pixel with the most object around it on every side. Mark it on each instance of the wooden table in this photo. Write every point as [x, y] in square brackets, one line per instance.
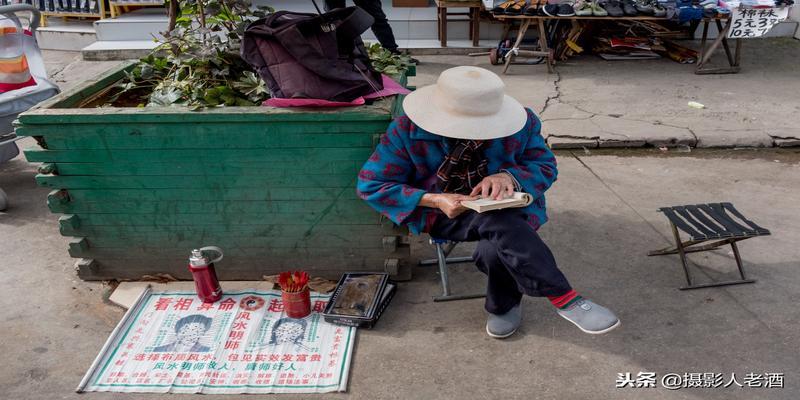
[526, 21]
[474, 15]
[705, 52]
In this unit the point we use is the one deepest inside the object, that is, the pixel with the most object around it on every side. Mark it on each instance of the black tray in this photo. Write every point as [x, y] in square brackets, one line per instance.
[385, 290]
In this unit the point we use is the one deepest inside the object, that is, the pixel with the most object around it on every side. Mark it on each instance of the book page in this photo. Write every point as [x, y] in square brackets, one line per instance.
[520, 199]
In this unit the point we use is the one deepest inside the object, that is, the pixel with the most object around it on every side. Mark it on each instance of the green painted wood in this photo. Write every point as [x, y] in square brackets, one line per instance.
[330, 256]
[274, 187]
[380, 111]
[58, 198]
[208, 168]
[255, 232]
[48, 168]
[78, 245]
[57, 205]
[167, 182]
[69, 222]
[335, 216]
[209, 194]
[168, 133]
[240, 155]
[209, 141]
[236, 243]
[60, 109]
[74, 96]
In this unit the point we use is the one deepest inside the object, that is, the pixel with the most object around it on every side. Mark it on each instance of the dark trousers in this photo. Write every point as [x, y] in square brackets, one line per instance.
[509, 252]
[381, 27]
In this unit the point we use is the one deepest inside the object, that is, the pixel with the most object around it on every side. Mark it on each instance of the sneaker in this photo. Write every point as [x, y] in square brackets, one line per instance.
[550, 9]
[583, 8]
[658, 10]
[598, 11]
[644, 7]
[590, 317]
[629, 8]
[614, 8]
[501, 8]
[504, 325]
[565, 10]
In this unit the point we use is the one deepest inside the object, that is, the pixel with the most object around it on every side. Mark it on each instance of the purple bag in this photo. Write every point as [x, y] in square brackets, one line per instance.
[318, 56]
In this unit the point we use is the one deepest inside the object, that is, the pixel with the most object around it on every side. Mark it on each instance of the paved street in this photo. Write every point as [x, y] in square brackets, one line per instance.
[589, 102]
[603, 223]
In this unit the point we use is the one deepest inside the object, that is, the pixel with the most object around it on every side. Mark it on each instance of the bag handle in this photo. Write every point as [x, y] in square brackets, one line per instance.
[10, 11]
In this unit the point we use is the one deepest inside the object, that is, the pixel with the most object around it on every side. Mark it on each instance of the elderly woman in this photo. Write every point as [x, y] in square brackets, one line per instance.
[461, 139]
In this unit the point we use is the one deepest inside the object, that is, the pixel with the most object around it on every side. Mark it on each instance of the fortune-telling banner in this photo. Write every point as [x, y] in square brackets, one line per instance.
[244, 343]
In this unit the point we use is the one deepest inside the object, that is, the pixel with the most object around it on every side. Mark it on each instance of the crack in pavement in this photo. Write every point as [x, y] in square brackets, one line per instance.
[557, 87]
[557, 99]
[55, 72]
[784, 137]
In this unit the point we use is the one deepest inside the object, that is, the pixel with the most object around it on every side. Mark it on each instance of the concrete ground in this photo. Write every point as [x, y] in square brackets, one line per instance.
[603, 222]
[589, 102]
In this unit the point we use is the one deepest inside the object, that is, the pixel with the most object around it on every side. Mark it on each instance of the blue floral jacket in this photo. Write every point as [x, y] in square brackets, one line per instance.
[404, 164]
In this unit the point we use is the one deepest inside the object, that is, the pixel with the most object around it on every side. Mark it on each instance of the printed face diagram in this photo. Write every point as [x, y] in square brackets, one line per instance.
[288, 330]
[188, 332]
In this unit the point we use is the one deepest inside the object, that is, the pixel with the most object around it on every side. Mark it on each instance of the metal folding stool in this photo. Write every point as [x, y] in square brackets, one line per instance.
[708, 222]
[443, 249]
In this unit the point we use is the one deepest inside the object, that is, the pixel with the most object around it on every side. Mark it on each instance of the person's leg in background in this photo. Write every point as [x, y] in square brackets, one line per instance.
[381, 27]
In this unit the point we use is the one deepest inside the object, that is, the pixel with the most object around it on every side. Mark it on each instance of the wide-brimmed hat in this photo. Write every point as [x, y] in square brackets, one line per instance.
[466, 103]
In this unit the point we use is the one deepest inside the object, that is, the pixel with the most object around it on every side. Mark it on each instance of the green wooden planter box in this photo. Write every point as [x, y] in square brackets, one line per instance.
[275, 188]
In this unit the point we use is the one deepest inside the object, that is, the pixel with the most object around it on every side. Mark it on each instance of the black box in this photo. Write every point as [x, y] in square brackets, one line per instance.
[377, 293]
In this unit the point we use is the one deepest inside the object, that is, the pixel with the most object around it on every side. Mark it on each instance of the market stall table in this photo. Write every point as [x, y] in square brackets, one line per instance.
[545, 51]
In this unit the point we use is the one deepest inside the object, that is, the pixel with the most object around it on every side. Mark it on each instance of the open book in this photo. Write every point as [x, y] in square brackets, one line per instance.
[518, 199]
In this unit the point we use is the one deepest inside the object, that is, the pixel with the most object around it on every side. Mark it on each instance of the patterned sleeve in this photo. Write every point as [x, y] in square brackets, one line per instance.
[535, 169]
[383, 180]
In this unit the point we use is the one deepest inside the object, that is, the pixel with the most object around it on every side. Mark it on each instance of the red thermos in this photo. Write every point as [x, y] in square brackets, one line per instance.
[204, 275]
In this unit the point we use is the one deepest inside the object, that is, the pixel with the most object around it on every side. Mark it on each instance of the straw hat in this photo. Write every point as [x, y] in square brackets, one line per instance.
[466, 103]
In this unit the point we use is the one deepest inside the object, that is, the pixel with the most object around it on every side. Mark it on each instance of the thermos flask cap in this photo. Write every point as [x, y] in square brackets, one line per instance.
[199, 259]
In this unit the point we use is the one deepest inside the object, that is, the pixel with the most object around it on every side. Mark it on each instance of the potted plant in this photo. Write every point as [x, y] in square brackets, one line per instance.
[174, 151]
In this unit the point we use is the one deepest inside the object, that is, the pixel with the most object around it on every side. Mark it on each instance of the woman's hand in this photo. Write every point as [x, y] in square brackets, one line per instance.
[495, 187]
[449, 203]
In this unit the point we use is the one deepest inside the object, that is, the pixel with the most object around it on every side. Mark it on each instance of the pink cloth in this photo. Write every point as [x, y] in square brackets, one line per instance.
[390, 88]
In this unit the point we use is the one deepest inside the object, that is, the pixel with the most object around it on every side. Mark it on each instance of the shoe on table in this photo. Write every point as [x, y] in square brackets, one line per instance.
[629, 8]
[598, 11]
[565, 10]
[501, 8]
[613, 8]
[504, 325]
[583, 8]
[644, 7]
[659, 11]
[590, 317]
[516, 8]
[550, 9]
